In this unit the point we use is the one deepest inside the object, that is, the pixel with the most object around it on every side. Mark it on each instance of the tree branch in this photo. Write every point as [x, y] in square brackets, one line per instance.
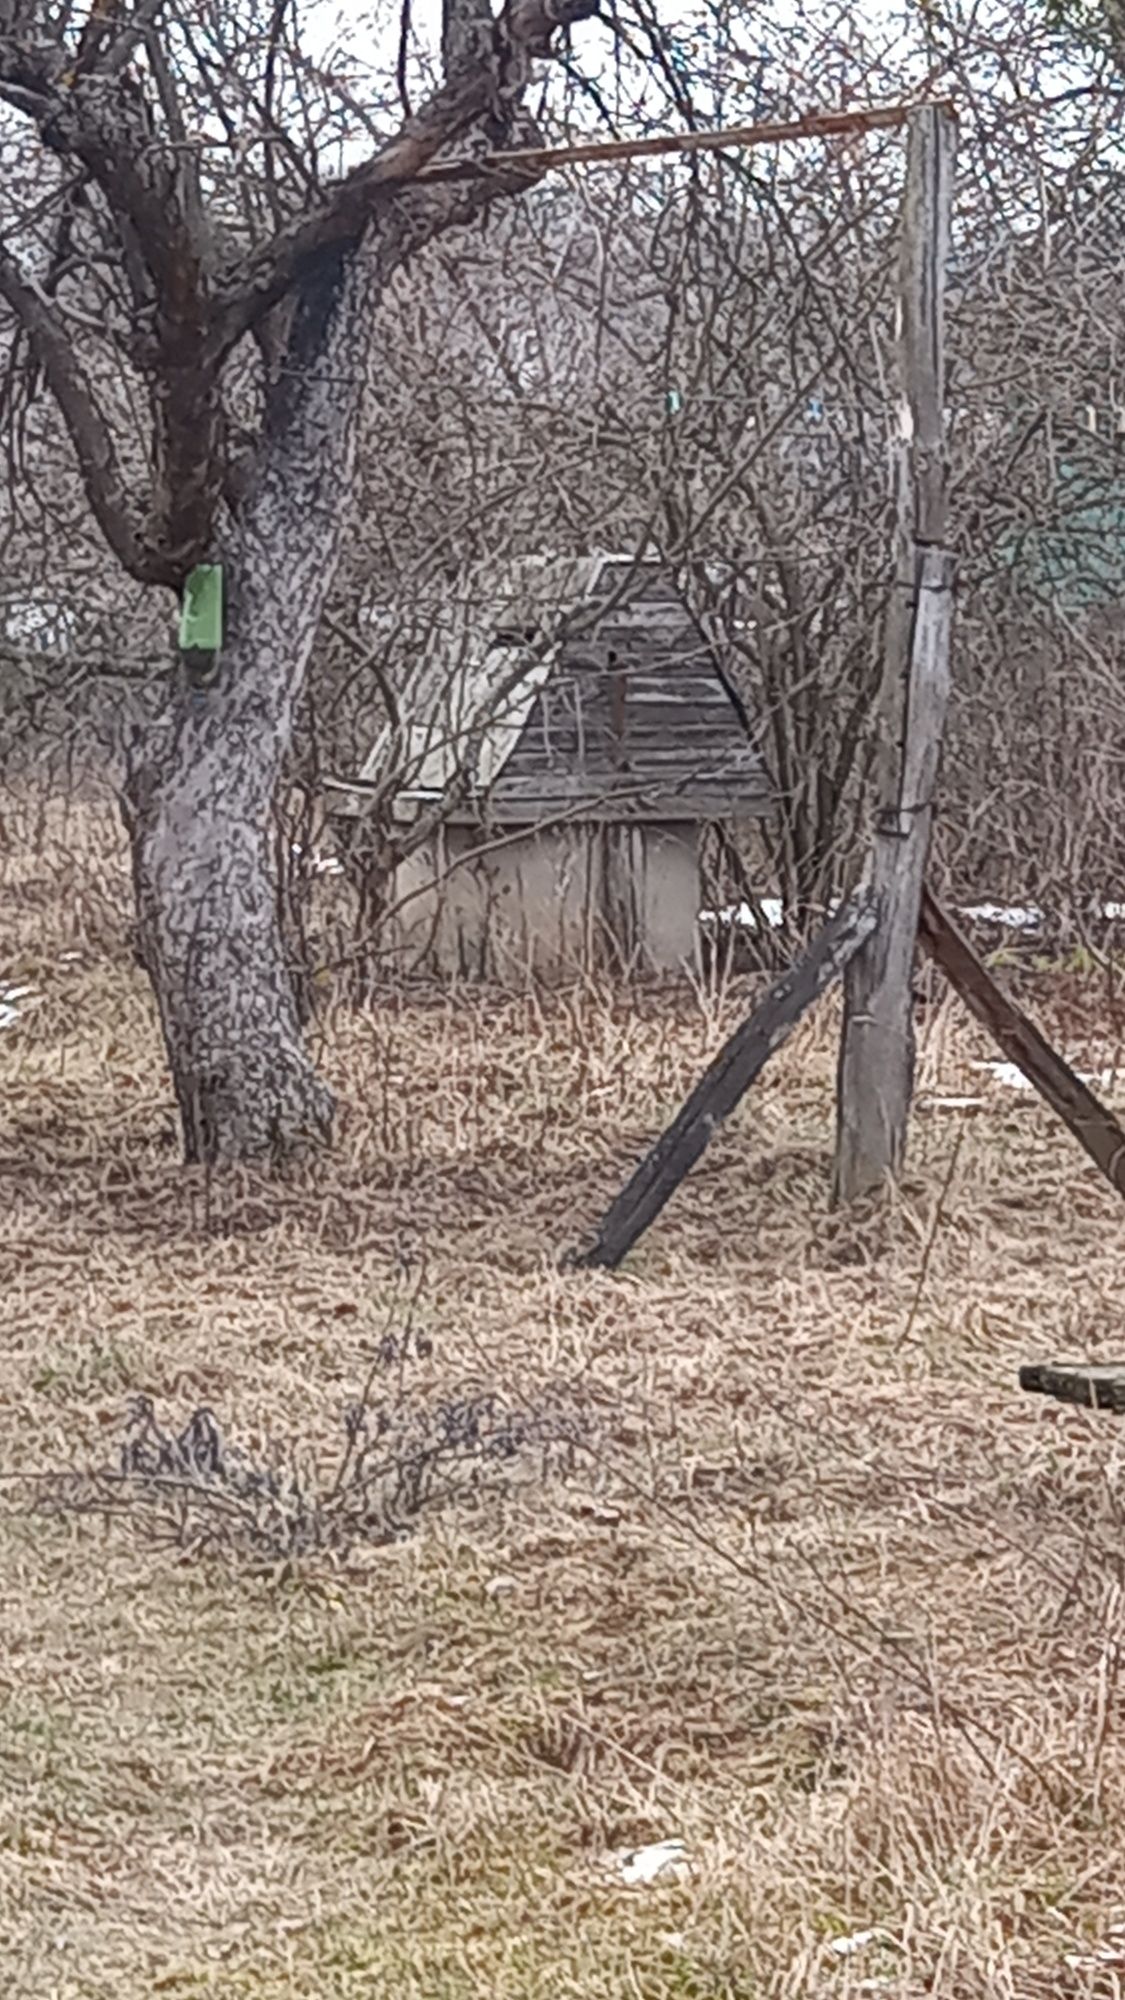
[91, 111]
[522, 31]
[106, 126]
[468, 37]
[103, 123]
[32, 72]
[114, 506]
[138, 28]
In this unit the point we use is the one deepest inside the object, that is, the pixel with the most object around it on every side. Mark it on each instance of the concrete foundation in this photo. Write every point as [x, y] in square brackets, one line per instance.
[553, 904]
[651, 894]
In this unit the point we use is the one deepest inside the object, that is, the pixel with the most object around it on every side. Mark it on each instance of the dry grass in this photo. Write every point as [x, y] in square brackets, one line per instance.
[825, 1596]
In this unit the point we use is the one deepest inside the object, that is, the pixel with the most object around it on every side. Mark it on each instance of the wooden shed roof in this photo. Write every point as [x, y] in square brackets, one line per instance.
[583, 688]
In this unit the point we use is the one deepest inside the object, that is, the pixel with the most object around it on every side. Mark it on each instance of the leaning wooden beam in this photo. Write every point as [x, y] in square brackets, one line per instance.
[727, 1080]
[876, 1071]
[609, 152]
[1098, 1387]
[1095, 1128]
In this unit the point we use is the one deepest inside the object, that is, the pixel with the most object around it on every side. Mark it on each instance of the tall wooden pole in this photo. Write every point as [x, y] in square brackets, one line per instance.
[877, 1051]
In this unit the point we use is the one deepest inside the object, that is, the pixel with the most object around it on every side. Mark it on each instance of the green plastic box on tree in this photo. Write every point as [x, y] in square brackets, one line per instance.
[201, 623]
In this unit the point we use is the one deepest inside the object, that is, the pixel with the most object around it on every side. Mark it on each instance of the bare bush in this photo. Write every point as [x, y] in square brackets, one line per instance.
[195, 1490]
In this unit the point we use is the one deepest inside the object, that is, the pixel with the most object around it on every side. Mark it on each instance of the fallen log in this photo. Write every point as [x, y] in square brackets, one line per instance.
[727, 1080]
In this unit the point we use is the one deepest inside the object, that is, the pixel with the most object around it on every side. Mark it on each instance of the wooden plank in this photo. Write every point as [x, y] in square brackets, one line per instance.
[1097, 1388]
[541, 815]
[709, 707]
[631, 769]
[876, 1071]
[652, 716]
[649, 615]
[561, 788]
[683, 691]
[1092, 1124]
[726, 1081]
[541, 159]
[601, 761]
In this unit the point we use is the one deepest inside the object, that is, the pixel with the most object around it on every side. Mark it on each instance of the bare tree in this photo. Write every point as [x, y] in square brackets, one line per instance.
[684, 354]
[139, 276]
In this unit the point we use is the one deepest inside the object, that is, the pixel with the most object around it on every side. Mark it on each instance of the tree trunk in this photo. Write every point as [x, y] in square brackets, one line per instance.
[201, 793]
[210, 939]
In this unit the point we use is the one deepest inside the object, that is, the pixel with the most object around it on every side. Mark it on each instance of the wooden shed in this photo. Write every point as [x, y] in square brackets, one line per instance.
[582, 711]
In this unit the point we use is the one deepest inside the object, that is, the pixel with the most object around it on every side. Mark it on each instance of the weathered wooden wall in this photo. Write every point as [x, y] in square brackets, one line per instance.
[635, 721]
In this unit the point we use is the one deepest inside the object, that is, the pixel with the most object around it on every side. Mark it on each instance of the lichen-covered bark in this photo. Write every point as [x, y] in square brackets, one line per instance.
[202, 789]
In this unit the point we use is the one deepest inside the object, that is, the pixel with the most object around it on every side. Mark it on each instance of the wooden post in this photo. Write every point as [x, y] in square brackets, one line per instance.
[1091, 1122]
[877, 1050]
[726, 1082]
[1098, 1387]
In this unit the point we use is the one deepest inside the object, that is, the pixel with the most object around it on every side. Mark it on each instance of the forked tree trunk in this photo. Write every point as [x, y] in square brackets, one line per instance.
[201, 793]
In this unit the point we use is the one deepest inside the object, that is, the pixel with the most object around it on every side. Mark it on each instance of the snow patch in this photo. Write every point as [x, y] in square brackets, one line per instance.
[1006, 1073]
[10, 998]
[856, 1941]
[1007, 916]
[1012, 916]
[319, 864]
[501, 1586]
[745, 916]
[650, 1864]
[1013, 1078]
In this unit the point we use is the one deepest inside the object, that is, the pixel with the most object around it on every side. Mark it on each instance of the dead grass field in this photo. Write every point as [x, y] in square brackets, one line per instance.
[822, 1594]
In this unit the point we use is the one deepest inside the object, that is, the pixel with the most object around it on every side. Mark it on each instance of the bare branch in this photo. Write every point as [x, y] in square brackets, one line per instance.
[468, 38]
[114, 506]
[136, 30]
[404, 26]
[339, 221]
